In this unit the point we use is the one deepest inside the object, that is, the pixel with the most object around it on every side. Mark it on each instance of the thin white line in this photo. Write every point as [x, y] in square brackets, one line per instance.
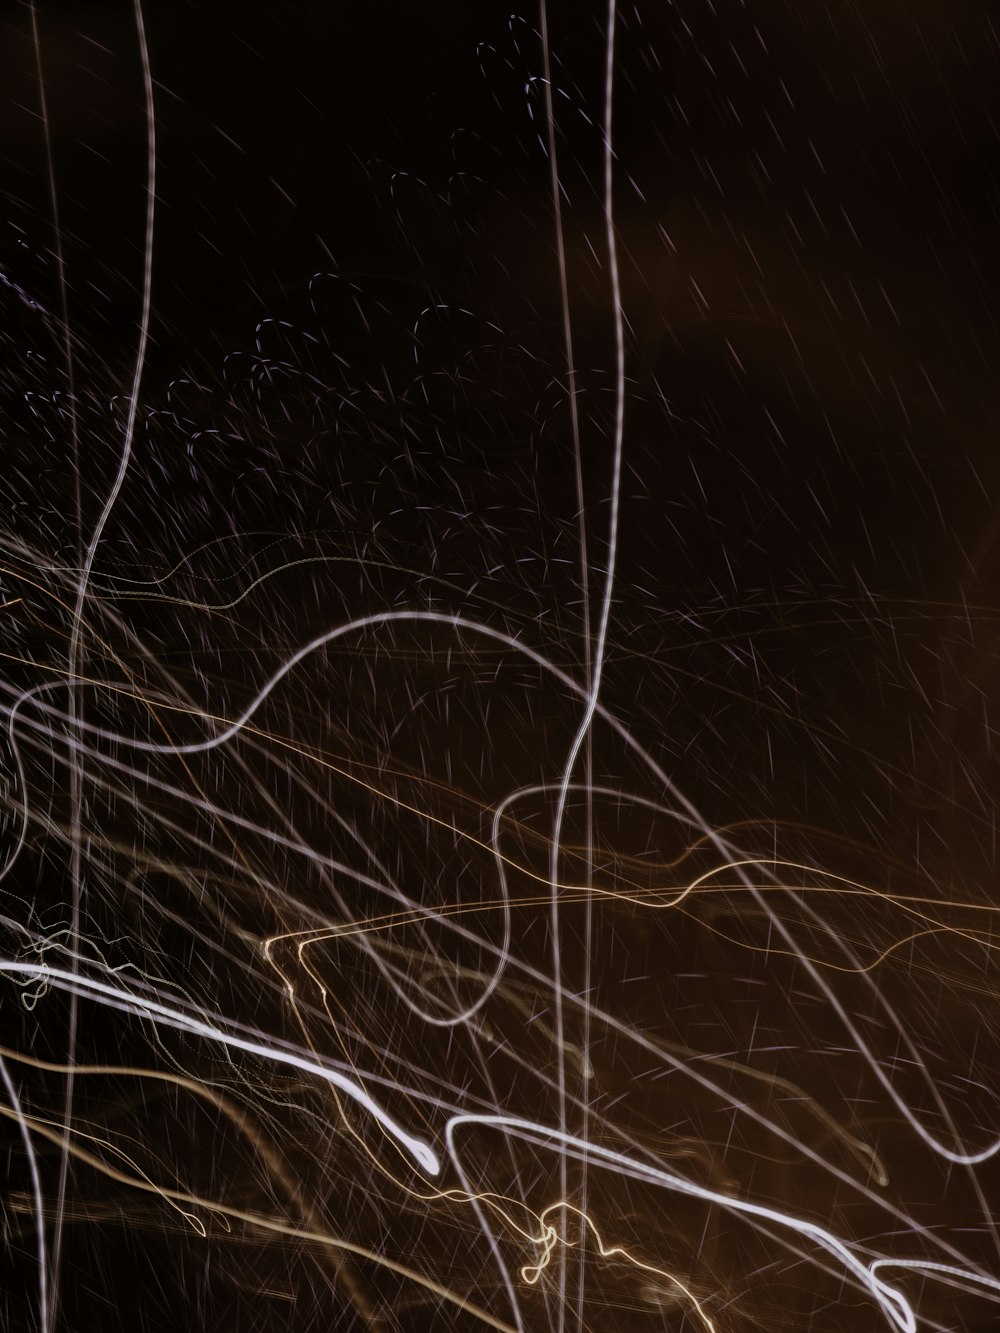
[130, 1003]
[75, 710]
[590, 709]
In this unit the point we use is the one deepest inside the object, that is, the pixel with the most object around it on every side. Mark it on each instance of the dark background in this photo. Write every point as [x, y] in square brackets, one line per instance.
[806, 210]
[356, 347]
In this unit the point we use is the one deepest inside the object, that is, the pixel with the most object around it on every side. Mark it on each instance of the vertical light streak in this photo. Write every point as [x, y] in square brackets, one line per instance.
[600, 641]
[57, 244]
[584, 565]
[48, 1312]
[572, 390]
[36, 1189]
[75, 710]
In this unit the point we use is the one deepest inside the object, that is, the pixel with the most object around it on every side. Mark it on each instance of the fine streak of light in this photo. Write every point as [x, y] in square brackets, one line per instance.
[75, 983]
[75, 710]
